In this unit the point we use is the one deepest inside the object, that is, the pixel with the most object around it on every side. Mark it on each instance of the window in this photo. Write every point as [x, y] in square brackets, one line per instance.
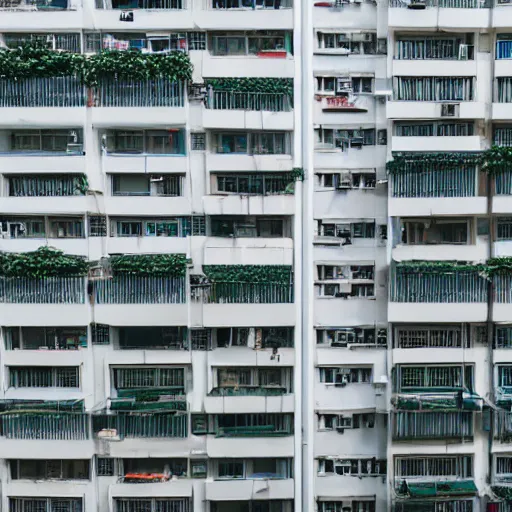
[345, 139]
[45, 505]
[250, 227]
[31, 227]
[44, 377]
[53, 141]
[504, 228]
[434, 88]
[159, 142]
[344, 85]
[241, 43]
[198, 226]
[131, 378]
[356, 43]
[345, 272]
[66, 41]
[354, 467]
[445, 47]
[348, 230]
[333, 421]
[340, 506]
[105, 466]
[200, 339]
[152, 504]
[434, 231]
[452, 467]
[100, 334]
[162, 228]
[440, 129]
[343, 337]
[53, 338]
[53, 469]
[147, 185]
[364, 179]
[231, 469]
[196, 40]
[198, 141]
[256, 143]
[97, 225]
[435, 336]
[66, 228]
[262, 184]
[343, 376]
[434, 376]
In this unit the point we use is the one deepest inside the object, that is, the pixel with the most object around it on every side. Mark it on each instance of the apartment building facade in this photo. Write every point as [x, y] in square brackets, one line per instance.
[271, 285]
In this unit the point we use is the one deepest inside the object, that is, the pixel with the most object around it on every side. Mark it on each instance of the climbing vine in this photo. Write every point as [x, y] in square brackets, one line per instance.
[505, 493]
[280, 274]
[493, 266]
[268, 85]
[174, 265]
[35, 60]
[497, 159]
[44, 262]
[403, 162]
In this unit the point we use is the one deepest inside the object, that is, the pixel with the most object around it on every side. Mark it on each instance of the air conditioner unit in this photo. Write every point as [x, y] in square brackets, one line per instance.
[343, 337]
[417, 4]
[450, 110]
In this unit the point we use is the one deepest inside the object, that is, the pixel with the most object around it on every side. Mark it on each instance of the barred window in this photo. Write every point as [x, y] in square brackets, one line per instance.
[196, 40]
[104, 466]
[100, 334]
[198, 141]
[201, 339]
[198, 226]
[97, 225]
[44, 377]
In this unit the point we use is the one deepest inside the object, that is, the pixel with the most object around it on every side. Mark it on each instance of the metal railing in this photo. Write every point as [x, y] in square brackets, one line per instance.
[503, 181]
[250, 4]
[45, 426]
[431, 48]
[454, 466]
[434, 182]
[227, 100]
[134, 93]
[502, 289]
[503, 136]
[39, 5]
[46, 186]
[437, 337]
[153, 505]
[142, 4]
[127, 289]
[49, 290]
[444, 505]
[431, 425]
[42, 92]
[142, 424]
[456, 287]
[503, 49]
[429, 88]
[503, 425]
[504, 89]
[449, 4]
[244, 293]
[257, 184]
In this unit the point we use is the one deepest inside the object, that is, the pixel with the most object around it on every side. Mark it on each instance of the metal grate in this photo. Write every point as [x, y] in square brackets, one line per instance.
[201, 339]
[97, 225]
[198, 141]
[100, 334]
[152, 505]
[104, 466]
[198, 226]
[431, 425]
[196, 40]
[454, 467]
[434, 376]
[45, 505]
[129, 378]
[424, 337]
[44, 377]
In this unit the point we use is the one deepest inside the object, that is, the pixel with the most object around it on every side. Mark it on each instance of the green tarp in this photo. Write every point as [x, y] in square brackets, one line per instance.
[440, 489]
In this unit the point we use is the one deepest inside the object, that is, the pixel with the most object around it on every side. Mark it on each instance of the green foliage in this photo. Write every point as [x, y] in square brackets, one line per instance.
[497, 159]
[403, 162]
[280, 274]
[503, 492]
[36, 60]
[33, 60]
[150, 264]
[298, 173]
[44, 262]
[268, 85]
[133, 65]
[493, 266]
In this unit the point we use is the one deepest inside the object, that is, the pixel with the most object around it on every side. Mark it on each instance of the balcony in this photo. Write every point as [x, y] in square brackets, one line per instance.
[445, 14]
[40, 15]
[412, 426]
[250, 489]
[423, 295]
[150, 503]
[502, 297]
[436, 190]
[128, 300]
[242, 15]
[150, 103]
[42, 102]
[244, 110]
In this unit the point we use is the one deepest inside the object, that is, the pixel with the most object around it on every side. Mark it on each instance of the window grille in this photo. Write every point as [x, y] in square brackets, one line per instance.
[424, 337]
[503, 336]
[44, 377]
[152, 504]
[434, 129]
[354, 467]
[100, 334]
[434, 88]
[129, 378]
[97, 225]
[201, 339]
[435, 376]
[198, 141]
[196, 40]
[460, 466]
[340, 506]
[45, 505]
[55, 469]
[198, 226]
[504, 228]
[341, 375]
[104, 466]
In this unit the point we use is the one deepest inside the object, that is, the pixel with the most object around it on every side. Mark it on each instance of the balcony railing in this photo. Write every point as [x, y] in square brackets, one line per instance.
[49, 290]
[140, 290]
[38, 5]
[227, 100]
[454, 287]
[430, 88]
[436, 506]
[141, 4]
[46, 186]
[448, 4]
[133, 93]
[250, 4]
[42, 92]
[148, 504]
[503, 183]
[432, 48]
[134, 425]
[244, 293]
[504, 90]
[431, 425]
[248, 391]
[61, 426]
[435, 182]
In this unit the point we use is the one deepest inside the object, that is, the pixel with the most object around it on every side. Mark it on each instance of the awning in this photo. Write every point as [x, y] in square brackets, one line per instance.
[441, 489]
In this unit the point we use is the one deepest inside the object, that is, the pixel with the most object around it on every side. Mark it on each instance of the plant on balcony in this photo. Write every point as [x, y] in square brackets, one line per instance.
[497, 159]
[404, 162]
[35, 60]
[278, 274]
[297, 174]
[44, 262]
[263, 85]
[132, 65]
[174, 265]
[437, 267]
[503, 492]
